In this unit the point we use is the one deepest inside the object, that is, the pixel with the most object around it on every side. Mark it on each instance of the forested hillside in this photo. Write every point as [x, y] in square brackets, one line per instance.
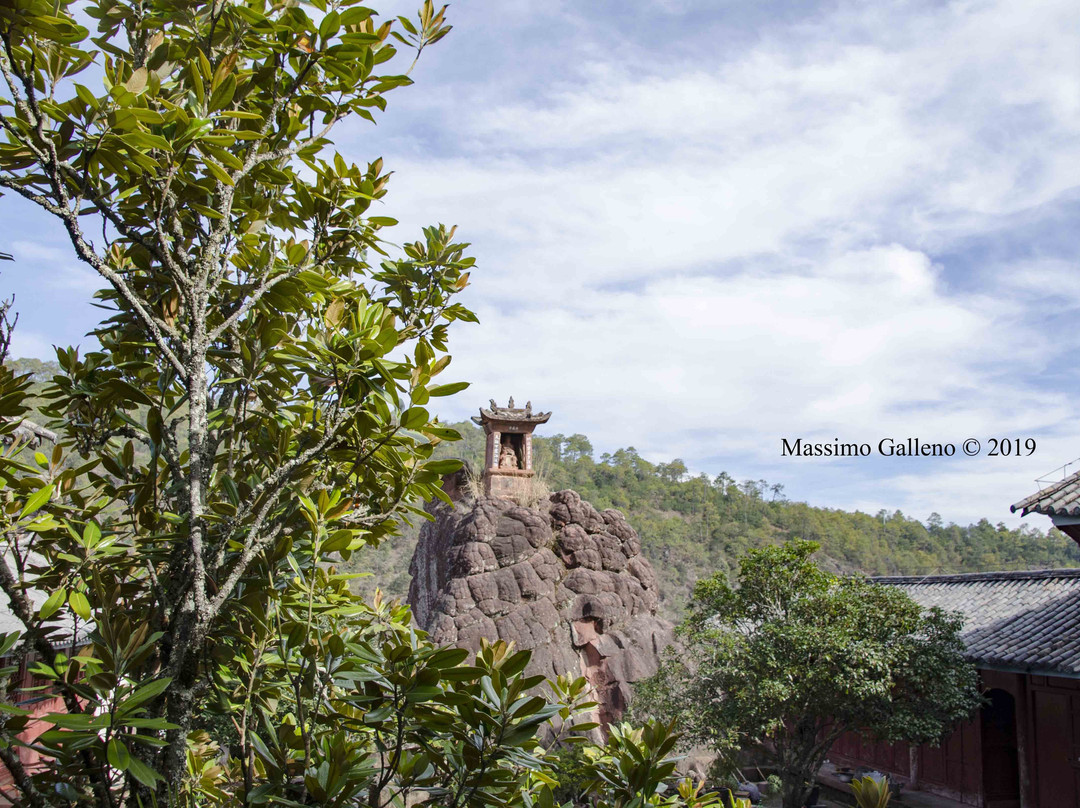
[693, 526]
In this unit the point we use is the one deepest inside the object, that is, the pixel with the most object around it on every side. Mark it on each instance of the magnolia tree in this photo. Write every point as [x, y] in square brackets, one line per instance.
[793, 657]
[257, 410]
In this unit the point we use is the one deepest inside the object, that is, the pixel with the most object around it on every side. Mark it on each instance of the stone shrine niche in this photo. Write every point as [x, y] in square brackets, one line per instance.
[511, 451]
[508, 454]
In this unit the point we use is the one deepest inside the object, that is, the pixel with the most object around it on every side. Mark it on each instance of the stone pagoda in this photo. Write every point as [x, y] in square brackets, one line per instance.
[508, 457]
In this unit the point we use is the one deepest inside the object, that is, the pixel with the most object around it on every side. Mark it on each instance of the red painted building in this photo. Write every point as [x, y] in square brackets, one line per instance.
[1022, 750]
[1022, 629]
[37, 696]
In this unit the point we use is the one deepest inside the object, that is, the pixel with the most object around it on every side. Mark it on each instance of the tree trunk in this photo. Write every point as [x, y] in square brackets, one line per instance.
[795, 791]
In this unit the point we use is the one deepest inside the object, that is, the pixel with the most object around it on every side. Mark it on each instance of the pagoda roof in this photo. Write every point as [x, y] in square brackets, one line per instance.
[511, 413]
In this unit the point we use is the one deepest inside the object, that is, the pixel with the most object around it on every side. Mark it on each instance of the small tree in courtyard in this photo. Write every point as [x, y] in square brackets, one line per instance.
[794, 656]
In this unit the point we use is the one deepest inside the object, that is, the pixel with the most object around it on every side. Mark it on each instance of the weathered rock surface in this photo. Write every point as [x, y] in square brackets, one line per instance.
[564, 580]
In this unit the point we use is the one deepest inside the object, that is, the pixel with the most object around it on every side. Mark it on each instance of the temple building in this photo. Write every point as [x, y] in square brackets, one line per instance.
[1022, 750]
[508, 457]
[1022, 631]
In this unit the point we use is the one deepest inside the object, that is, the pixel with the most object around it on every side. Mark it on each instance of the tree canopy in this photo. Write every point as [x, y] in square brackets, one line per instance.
[274, 378]
[793, 656]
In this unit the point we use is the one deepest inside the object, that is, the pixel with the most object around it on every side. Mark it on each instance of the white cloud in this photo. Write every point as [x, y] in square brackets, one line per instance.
[1043, 281]
[870, 121]
[54, 265]
[850, 349]
[698, 253]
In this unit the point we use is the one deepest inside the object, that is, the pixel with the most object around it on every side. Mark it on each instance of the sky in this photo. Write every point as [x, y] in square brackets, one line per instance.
[704, 227]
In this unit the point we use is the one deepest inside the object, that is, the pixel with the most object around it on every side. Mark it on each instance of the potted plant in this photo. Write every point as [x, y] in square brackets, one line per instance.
[871, 792]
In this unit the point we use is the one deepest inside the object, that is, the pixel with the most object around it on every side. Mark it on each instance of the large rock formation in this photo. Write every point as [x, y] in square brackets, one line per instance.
[563, 580]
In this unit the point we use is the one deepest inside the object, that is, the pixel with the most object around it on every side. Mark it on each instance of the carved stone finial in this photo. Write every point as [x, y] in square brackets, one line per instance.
[494, 406]
[528, 408]
[511, 402]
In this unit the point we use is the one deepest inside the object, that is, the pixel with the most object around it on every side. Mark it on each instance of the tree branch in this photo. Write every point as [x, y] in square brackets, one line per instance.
[158, 330]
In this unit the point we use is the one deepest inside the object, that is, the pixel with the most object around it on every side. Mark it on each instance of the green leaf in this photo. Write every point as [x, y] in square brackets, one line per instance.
[149, 723]
[145, 141]
[142, 694]
[240, 114]
[36, 500]
[86, 96]
[224, 157]
[441, 467]
[78, 721]
[143, 773]
[447, 389]
[414, 417]
[329, 25]
[91, 535]
[7, 642]
[53, 603]
[118, 755]
[125, 390]
[222, 95]
[79, 604]
[444, 433]
[218, 172]
[340, 540]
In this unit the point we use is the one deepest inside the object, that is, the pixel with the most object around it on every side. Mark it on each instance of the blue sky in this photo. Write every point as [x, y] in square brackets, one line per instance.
[705, 226]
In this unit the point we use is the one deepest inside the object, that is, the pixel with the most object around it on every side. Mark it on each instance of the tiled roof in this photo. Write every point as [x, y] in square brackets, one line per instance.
[1026, 621]
[1059, 499]
[524, 414]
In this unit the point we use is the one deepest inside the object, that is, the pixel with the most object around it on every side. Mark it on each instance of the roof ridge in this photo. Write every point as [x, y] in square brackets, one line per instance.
[965, 577]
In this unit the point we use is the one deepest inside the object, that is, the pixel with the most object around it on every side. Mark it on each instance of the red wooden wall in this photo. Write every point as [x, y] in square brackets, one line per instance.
[1055, 725]
[1030, 761]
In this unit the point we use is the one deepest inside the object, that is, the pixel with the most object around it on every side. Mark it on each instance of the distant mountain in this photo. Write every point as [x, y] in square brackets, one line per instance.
[691, 527]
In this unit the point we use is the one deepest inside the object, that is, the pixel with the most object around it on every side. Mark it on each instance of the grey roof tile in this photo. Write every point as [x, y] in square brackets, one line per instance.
[1058, 499]
[1028, 620]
